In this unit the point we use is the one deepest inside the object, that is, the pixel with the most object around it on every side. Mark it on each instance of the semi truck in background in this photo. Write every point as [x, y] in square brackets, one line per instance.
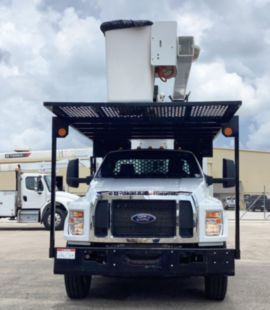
[30, 201]
[148, 211]
[39, 161]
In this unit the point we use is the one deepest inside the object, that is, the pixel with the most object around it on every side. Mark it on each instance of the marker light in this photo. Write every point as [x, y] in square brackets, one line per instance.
[76, 222]
[228, 132]
[62, 132]
[213, 223]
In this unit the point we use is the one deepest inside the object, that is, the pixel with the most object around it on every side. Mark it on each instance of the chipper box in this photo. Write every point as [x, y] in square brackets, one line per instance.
[148, 211]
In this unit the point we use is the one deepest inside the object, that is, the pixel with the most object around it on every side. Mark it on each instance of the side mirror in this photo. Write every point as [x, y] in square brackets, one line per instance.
[228, 173]
[73, 179]
[228, 179]
[73, 173]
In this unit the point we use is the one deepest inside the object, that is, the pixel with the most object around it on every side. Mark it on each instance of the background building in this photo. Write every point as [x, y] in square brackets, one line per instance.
[254, 172]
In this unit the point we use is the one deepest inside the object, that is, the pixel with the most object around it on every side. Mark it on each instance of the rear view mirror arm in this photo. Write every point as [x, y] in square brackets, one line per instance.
[85, 180]
[210, 180]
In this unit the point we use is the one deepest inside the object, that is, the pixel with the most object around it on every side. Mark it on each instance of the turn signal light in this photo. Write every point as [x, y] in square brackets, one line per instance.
[213, 223]
[62, 132]
[76, 222]
[213, 214]
[77, 213]
[228, 132]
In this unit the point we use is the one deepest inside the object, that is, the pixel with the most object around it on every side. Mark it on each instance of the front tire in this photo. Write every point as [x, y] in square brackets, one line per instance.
[60, 216]
[77, 286]
[216, 287]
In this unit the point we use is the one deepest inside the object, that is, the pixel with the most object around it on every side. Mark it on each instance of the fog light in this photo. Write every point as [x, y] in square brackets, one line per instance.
[213, 223]
[76, 222]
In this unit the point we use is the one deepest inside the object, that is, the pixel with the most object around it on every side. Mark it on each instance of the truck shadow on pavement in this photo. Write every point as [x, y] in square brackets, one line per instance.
[123, 289]
[144, 292]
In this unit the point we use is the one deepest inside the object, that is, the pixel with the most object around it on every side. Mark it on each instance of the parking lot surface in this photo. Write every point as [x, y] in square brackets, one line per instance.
[28, 282]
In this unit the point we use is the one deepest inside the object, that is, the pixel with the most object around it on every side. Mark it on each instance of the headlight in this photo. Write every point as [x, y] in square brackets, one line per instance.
[213, 223]
[76, 222]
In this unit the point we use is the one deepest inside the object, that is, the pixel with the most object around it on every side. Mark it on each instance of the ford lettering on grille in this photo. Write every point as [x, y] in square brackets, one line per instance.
[143, 218]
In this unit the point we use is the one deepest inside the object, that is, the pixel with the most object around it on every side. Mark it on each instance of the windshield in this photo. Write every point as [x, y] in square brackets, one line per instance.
[149, 164]
[47, 179]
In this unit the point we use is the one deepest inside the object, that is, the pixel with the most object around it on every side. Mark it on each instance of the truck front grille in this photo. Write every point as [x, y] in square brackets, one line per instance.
[143, 218]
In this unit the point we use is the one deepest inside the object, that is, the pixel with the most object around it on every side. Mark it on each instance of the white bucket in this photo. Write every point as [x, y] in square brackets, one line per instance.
[130, 76]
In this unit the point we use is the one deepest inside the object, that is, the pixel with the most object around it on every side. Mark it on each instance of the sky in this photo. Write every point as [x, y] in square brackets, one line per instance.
[54, 51]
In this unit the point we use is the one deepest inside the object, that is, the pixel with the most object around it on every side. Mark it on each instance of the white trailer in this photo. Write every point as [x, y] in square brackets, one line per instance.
[7, 203]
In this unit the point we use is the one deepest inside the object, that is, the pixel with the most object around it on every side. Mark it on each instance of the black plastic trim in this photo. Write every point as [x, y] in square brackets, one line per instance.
[102, 218]
[186, 224]
[123, 23]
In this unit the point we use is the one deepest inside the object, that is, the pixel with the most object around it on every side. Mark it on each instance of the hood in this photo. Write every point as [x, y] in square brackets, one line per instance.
[66, 195]
[110, 184]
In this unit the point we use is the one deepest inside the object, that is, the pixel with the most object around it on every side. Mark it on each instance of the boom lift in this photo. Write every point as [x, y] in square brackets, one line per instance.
[147, 212]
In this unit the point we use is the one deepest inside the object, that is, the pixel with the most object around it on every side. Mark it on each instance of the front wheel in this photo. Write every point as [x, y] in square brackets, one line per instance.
[59, 219]
[216, 287]
[77, 286]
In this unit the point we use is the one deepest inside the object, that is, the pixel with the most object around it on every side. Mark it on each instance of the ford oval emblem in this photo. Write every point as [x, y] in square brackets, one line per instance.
[143, 218]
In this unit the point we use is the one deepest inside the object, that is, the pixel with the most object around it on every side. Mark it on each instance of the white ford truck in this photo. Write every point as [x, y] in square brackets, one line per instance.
[148, 212]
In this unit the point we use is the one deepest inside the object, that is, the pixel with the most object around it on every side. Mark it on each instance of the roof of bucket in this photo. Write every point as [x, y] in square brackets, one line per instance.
[122, 24]
[146, 120]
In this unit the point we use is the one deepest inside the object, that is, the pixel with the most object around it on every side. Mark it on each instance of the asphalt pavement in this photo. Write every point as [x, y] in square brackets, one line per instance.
[27, 280]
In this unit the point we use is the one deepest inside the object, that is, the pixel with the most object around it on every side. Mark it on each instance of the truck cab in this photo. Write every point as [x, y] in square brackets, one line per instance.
[31, 201]
[149, 196]
[35, 190]
[35, 195]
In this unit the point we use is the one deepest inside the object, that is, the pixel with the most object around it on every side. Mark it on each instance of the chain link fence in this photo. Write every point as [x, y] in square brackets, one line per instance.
[256, 202]
[253, 205]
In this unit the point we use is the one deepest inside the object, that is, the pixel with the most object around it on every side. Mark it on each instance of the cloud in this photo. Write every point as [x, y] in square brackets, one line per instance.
[258, 135]
[45, 55]
[211, 81]
[54, 51]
